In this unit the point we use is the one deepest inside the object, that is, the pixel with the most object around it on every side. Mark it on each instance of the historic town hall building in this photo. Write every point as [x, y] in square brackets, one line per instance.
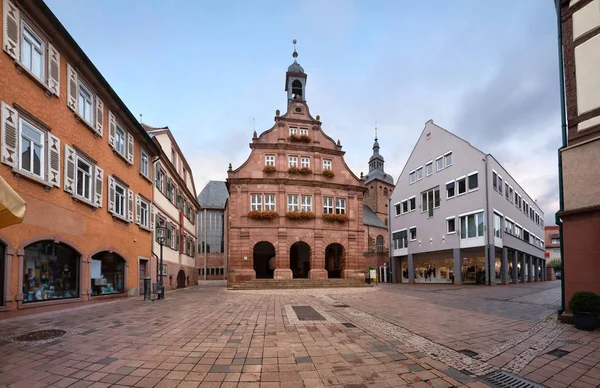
[295, 208]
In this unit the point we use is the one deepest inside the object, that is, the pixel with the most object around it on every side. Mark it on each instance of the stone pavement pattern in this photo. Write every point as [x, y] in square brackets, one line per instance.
[388, 336]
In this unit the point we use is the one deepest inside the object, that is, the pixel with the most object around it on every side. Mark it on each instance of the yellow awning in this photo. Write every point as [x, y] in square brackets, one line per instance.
[12, 206]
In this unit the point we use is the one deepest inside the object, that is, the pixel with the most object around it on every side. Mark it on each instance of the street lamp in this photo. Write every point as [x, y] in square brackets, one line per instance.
[160, 238]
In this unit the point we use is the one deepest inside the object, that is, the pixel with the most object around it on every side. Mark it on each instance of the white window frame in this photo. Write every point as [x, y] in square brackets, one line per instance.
[304, 162]
[293, 131]
[446, 155]
[412, 177]
[270, 160]
[90, 185]
[497, 216]
[160, 173]
[437, 163]
[303, 131]
[256, 202]
[429, 166]
[145, 164]
[269, 202]
[327, 164]
[26, 27]
[469, 190]
[293, 203]
[328, 205]
[457, 186]
[292, 161]
[518, 231]
[414, 197]
[340, 206]
[143, 202]
[123, 206]
[306, 205]
[403, 205]
[82, 87]
[447, 229]
[397, 242]
[446, 186]
[473, 212]
[500, 184]
[119, 130]
[495, 184]
[420, 168]
[410, 237]
[43, 135]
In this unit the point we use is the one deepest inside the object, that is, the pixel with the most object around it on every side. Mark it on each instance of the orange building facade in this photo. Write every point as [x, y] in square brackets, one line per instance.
[295, 208]
[74, 152]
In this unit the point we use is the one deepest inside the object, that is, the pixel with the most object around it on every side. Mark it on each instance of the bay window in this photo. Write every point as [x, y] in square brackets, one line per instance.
[471, 225]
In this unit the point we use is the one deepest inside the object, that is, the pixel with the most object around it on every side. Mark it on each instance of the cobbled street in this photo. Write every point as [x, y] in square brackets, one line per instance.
[387, 336]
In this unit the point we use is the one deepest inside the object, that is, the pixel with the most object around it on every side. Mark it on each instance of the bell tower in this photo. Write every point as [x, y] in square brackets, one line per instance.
[295, 80]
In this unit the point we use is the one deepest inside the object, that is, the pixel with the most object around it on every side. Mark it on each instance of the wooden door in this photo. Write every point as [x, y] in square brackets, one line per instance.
[143, 272]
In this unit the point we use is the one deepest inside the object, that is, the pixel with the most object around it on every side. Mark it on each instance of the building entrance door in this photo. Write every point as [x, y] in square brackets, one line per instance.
[181, 279]
[300, 259]
[143, 273]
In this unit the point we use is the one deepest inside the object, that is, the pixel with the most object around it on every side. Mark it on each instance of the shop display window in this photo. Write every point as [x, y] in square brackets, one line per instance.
[107, 274]
[50, 272]
[404, 270]
[473, 270]
[434, 271]
[498, 268]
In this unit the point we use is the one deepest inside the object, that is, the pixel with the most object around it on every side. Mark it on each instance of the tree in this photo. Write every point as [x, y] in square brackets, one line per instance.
[555, 264]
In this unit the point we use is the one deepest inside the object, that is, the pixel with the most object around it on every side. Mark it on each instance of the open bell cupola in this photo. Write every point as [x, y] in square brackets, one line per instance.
[295, 80]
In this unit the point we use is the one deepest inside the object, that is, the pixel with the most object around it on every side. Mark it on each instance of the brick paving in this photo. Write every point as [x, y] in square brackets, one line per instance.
[387, 336]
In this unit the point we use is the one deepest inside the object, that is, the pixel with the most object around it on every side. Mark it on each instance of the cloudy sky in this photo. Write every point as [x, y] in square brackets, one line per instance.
[486, 70]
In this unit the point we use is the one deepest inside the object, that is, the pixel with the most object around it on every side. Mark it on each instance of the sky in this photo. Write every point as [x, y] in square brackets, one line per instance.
[213, 71]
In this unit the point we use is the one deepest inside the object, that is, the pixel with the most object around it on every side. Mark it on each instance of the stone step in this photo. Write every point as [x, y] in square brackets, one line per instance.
[259, 284]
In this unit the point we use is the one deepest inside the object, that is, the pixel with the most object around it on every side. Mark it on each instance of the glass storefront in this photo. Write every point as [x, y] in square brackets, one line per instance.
[498, 268]
[434, 271]
[510, 271]
[107, 272]
[473, 270]
[404, 264]
[50, 272]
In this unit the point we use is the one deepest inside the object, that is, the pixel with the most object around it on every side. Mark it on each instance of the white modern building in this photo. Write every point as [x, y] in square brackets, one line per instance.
[457, 216]
[175, 206]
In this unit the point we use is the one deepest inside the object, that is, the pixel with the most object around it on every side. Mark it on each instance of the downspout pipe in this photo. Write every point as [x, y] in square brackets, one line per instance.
[486, 228]
[390, 254]
[563, 118]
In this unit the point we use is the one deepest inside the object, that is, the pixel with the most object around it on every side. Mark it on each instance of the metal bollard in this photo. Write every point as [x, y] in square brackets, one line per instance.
[147, 289]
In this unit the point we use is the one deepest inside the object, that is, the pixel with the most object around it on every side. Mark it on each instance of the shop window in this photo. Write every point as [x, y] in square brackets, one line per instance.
[107, 274]
[50, 272]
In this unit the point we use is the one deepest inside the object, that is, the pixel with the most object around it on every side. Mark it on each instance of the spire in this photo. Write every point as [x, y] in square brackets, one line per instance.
[295, 54]
[295, 79]
[376, 143]
[376, 164]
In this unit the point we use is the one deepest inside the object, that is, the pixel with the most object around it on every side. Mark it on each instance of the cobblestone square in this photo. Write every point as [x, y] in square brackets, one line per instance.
[386, 336]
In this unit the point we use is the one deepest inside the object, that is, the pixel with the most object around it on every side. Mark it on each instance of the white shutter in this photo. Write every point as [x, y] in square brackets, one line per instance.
[71, 88]
[53, 160]
[98, 183]
[130, 149]
[10, 134]
[70, 160]
[112, 128]
[53, 80]
[129, 205]
[111, 194]
[11, 30]
[151, 217]
[99, 117]
[137, 209]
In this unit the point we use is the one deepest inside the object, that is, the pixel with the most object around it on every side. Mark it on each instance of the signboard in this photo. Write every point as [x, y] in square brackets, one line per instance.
[373, 274]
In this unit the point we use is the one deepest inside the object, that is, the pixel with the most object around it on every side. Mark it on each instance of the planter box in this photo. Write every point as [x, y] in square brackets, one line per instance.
[586, 321]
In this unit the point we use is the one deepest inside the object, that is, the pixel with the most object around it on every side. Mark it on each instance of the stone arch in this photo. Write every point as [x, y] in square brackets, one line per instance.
[335, 260]
[181, 278]
[300, 254]
[108, 273]
[263, 259]
[54, 239]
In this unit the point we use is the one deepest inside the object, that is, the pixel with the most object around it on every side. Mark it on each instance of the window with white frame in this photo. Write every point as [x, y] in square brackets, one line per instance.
[400, 239]
[516, 199]
[31, 149]
[305, 162]
[439, 163]
[555, 241]
[306, 203]
[340, 206]
[500, 184]
[159, 180]
[518, 230]
[412, 232]
[430, 200]
[462, 185]
[509, 226]
[292, 203]
[328, 205]
[497, 225]
[327, 164]
[525, 235]
[397, 209]
[145, 164]
[293, 131]
[495, 180]
[450, 190]
[471, 225]
[293, 161]
[143, 217]
[32, 51]
[450, 225]
[447, 159]
[412, 203]
[509, 194]
[269, 202]
[256, 202]
[120, 200]
[506, 192]
[304, 131]
[120, 140]
[270, 160]
[412, 177]
[429, 168]
[420, 173]
[85, 106]
[404, 206]
[473, 181]
[83, 179]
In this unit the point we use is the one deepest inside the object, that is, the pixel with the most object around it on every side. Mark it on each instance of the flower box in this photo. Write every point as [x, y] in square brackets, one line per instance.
[305, 171]
[328, 173]
[300, 138]
[300, 215]
[296, 170]
[269, 169]
[341, 218]
[262, 215]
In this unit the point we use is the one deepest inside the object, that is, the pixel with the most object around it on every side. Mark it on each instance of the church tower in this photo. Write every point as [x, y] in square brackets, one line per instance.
[378, 183]
[295, 80]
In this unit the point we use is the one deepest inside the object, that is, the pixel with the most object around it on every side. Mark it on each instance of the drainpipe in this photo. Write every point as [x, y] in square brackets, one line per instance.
[486, 228]
[563, 119]
[205, 244]
[390, 255]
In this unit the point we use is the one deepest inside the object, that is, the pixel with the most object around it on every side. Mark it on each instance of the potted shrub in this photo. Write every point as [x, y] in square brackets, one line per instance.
[269, 169]
[585, 307]
[328, 174]
[262, 215]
